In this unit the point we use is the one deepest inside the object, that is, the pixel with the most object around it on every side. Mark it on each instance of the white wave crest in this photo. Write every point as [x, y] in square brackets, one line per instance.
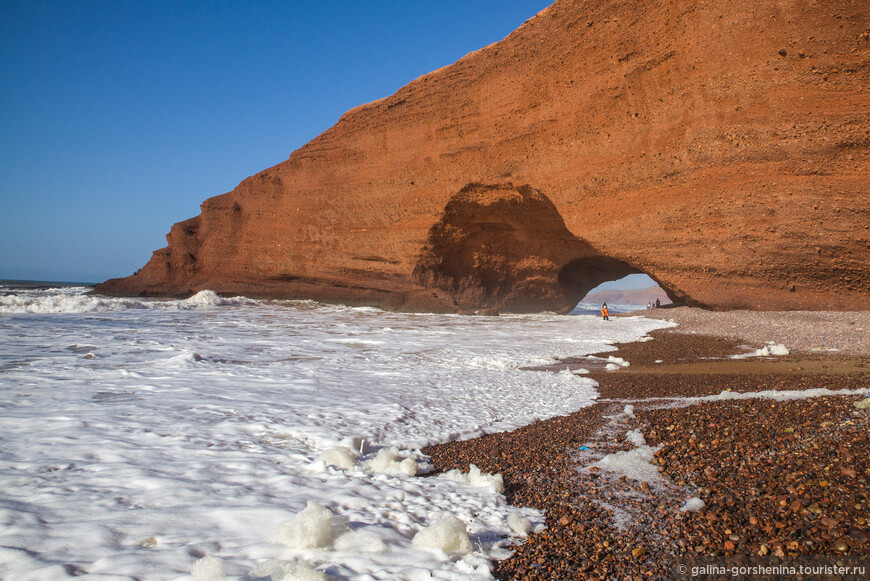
[74, 300]
[61, 300]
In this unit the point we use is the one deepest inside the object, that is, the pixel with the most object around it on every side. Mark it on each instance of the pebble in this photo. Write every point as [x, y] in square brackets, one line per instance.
[766, 491]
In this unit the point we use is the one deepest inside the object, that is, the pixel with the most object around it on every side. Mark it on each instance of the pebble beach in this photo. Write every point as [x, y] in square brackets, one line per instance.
[693, 454]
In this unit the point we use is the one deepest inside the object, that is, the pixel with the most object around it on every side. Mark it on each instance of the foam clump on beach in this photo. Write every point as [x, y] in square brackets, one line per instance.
[476, 477]
[387, 461]
[635, 464]
[314, 527]
[772, 349]
[208, 568]
[693, 504]
[448, 534]
[340, 457]
[628, 410]
[519, 524]
[783, 395]
[618, 361]
[288, 571]
[635, 437]
[568, 372]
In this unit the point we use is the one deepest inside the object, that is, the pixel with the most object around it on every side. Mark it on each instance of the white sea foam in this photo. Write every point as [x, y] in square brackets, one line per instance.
[618, 361]
[448, 535]
[635, 437]
[693, 504]
[388, 461]
[208, 568]
[278, 570]
[340, 457]
[476, 477]
[141, 435]
[519, 524]
[784, 395]
[636, 464]
[315, 527]
[73, 300]
[766, 351]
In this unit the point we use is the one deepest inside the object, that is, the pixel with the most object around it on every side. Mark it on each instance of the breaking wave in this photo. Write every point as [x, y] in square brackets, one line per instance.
[73, 300]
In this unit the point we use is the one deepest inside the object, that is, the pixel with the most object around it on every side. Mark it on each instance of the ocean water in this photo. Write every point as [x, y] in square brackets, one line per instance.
[594, 308]
[139, 436]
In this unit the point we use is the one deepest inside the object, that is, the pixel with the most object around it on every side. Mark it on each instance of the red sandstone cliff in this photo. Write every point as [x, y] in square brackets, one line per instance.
[720, 147]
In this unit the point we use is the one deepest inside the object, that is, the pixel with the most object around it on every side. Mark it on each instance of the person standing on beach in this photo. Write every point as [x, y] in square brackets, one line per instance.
[605, 312]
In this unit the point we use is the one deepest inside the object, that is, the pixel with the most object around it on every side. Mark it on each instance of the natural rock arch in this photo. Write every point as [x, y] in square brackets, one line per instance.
[507, 247]
[736, 178]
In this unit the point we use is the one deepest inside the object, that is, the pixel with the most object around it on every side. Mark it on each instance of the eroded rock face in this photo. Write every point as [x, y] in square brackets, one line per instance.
[722, 149]
[507, 247]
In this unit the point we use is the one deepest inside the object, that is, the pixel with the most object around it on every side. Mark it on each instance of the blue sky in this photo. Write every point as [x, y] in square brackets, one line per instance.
[120, 117]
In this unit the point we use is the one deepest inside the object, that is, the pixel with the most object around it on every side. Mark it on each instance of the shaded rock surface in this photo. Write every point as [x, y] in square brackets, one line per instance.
[720, 148]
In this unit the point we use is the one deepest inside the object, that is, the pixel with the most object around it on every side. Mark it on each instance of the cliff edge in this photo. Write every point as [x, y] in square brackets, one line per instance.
[721, 148]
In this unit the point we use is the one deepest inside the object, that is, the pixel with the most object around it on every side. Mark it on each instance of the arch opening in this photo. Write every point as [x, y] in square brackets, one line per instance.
[633, 292]
[507, 247]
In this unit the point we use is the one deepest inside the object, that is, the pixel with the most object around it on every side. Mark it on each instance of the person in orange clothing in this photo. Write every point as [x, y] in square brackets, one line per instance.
[605, 312]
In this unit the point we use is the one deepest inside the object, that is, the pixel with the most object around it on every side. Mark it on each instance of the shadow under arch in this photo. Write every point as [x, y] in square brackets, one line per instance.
[507, 247]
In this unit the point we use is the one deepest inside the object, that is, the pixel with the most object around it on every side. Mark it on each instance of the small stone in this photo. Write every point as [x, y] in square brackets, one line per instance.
[830, 522]
[564, 521]
[763, 550]
[638, 552]
[729, 546]
[841, 546]
[753, 521]
[783, 52]
[148, 542]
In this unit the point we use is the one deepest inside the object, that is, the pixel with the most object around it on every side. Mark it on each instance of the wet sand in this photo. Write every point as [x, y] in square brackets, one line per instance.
[777, 478]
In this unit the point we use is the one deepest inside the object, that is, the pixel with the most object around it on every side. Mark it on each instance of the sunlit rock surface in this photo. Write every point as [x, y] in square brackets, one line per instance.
[721, 148]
